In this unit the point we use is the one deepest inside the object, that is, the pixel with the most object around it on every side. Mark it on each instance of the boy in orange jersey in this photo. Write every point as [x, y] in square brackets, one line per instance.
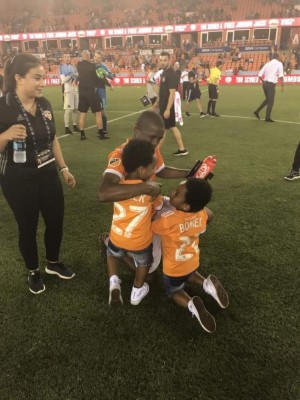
[179, 229]
[131, 226]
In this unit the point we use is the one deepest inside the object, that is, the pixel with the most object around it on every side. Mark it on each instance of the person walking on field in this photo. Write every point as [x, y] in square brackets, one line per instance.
[168, 86]
[269, 74]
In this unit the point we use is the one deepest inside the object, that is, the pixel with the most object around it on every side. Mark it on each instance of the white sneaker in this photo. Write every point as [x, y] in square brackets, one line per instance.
[205, 319]
[137, 294]
[115, 296]
[213, 287]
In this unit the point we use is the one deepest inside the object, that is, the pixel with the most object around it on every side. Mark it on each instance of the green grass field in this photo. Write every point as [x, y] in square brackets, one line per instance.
[67, 344]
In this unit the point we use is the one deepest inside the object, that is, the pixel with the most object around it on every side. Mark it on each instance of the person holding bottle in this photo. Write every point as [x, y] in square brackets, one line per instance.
[29, 157]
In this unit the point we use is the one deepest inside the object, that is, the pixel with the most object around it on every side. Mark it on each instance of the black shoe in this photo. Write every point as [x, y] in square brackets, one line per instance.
[35, 282]
[269, 120]
[215, 115]
[202, 115]
[103, 137]
[68, 131]
[82, 137]
[181, 153]
[75, 128]
[256, 115]
[187, 114]
[60, 270]
[292, 175]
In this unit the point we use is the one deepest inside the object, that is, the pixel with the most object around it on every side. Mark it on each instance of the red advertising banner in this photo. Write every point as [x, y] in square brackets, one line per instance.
[225, 80]
[146, 30]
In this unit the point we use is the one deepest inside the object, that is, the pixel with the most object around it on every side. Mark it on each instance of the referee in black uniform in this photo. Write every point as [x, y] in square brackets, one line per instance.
[88, 97]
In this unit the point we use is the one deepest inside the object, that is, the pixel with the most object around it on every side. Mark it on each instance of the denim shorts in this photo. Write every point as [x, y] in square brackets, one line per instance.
[174, 284]
[141, 257]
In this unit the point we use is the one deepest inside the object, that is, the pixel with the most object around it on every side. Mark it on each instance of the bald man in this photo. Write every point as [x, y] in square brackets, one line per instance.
[88, 98]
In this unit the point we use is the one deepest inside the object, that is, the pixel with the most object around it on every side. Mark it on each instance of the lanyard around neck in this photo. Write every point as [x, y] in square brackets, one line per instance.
[31, 130]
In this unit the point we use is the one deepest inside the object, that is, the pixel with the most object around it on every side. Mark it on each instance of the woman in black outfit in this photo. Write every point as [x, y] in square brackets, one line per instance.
[30, 181]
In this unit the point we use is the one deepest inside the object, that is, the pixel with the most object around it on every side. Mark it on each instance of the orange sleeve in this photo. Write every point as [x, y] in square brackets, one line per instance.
[115, 165]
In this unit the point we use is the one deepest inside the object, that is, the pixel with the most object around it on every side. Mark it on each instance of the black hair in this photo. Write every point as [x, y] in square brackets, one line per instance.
[275, 56]
[165, 54]
[219, 63]
[137, 153]
[20, 65]
[198, 194]
[149, 118]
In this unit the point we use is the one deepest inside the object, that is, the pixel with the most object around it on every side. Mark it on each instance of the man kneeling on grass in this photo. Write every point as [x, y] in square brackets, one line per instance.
[130, 232]
[179, 229]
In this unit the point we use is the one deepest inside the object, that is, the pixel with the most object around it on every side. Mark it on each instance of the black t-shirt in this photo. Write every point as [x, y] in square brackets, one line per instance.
[87, 76]
[11, 114]
[178, 73]
[168, 80]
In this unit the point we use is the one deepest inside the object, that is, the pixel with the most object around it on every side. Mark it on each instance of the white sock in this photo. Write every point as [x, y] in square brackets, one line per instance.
[66, 117]
[75, 117]
[113, 280]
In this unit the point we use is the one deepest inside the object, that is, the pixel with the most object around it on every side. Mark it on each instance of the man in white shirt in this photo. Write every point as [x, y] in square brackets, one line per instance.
[152, 87]
[68, 77]
[269, 74]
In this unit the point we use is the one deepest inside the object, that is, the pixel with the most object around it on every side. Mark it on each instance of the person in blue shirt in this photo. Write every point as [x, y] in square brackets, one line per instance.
[103, 72]
[68, 76]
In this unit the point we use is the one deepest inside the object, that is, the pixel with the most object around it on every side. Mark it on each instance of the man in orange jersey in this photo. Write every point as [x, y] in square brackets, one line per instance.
[150, 127]
[131, 225]
[179, 229]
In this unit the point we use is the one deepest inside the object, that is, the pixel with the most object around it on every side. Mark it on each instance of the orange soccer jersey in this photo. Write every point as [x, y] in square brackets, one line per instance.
[131, 225]
[115, 165]
[180, 232]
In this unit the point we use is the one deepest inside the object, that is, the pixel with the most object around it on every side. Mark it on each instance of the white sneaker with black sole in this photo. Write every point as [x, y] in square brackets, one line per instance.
[137, 294]
[205, 319]
[213, 287]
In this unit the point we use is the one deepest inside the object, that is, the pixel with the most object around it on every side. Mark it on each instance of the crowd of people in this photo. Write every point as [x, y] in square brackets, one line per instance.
[18, 17]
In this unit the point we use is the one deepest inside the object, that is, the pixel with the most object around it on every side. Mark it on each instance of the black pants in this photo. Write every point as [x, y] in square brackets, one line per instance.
[29, 192]
[296, 162]
[269, 91]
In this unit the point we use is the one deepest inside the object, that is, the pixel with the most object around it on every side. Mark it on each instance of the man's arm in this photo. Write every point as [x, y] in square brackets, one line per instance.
[172, 173]
[111, 190]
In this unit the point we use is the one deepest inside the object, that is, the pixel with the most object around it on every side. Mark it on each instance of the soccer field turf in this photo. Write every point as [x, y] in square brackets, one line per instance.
[67, 344]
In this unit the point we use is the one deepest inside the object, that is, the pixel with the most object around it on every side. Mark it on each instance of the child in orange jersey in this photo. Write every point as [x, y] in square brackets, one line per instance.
[131, 225]
[179, 229]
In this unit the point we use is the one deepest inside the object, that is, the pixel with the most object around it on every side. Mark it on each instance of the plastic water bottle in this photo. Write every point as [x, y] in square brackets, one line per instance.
[19, 147]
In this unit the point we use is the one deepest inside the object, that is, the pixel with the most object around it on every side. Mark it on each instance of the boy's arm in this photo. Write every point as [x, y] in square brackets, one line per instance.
[110, 189]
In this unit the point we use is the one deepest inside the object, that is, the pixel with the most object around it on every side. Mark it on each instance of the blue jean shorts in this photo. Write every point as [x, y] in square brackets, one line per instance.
[174, 284]
[141, 257]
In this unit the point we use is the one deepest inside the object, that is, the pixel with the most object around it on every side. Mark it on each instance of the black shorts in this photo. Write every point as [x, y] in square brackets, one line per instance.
[192, 93]
[212, 92]
[88, 98]
[170, 122]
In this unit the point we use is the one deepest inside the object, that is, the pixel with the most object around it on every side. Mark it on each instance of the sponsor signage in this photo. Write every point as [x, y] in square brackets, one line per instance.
[146, 30]
[227, 49]
[225, 80]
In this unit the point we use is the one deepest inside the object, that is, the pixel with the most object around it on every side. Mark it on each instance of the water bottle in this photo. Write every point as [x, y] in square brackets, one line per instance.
[19, 147]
